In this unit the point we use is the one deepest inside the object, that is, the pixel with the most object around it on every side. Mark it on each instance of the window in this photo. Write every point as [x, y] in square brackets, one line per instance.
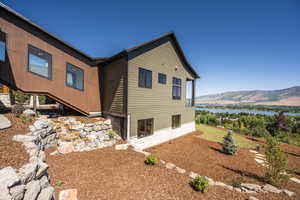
[39, 62]
[145, 78]
[2, 46]
[176, 121]
[145, 127]
[74, 77]
[176, 89]
[162, 78]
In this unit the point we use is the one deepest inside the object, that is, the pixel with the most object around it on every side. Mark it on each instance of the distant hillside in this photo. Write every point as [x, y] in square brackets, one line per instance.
[284, 97]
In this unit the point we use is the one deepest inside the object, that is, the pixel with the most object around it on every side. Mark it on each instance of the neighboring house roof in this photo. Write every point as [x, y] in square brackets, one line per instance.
[100, 60]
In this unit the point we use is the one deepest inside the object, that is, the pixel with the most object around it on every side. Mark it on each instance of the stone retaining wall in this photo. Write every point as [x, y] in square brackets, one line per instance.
[31, 181]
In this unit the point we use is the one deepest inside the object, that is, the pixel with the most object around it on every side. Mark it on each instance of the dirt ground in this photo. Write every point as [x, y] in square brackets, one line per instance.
[110, 174]
[13, 153]
[205, 157]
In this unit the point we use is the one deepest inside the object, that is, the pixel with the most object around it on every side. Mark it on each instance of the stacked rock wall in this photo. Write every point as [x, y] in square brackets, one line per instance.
[31, 181]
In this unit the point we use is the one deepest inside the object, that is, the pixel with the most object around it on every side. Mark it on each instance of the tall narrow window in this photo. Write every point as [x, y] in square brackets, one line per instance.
[176, 89]
[145, 78]
[176, 120]
[39, 62]
[2, 46]
[162, 78]
[74, 77]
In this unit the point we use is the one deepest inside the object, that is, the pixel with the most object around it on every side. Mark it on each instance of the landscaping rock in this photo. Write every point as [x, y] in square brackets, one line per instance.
[42, 170]
[217, 183]
[70, 194]
[46, 193]
[44, 181]
[251, 187]
[4, 122]
[252, 198]
[28, 113]
[107, 122]
[295, 180]
[24, 138]
[17, 192]
[4, 193]
[9, 177]
[162, 162]
[210, 181]
[193, 175]
[66, 147]
[121, 147]
[287, 192]
[27, 172]
[33, 189]
[271, 188]
[170, 165]
[180, 170]
[259, 161]
[252, 151]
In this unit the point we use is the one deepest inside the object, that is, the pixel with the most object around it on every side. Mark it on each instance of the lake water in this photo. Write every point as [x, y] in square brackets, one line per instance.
[220, 110]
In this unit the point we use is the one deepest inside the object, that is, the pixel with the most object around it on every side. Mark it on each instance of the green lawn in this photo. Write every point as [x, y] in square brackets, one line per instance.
[216, 135]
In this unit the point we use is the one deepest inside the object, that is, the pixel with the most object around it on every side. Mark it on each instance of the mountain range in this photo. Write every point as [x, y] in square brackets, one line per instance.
[283, 97]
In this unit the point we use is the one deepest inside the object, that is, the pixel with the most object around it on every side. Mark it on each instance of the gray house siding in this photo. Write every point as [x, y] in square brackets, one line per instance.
[157, 103]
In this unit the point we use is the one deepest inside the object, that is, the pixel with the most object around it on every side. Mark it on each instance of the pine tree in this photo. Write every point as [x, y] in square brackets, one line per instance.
[229, 146]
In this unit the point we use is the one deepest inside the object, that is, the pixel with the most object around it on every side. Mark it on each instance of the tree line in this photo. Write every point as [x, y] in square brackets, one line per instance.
[285, 128]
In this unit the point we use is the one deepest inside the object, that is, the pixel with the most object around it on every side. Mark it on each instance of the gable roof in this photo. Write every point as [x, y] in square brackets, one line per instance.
[149, 43]
[103, 60]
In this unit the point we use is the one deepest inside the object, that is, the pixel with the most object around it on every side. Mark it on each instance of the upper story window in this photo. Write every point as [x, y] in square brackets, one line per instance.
[162, 78]
[2, 46]
[176, 89]
[74, 77]
[39, 62]
[145, 78]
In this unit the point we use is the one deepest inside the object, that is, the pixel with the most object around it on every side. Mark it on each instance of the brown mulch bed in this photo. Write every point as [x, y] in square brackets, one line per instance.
[13, 153]
[110, 174]
[205, 157]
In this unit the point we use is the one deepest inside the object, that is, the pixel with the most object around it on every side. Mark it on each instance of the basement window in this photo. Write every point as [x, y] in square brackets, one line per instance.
[145, 78]
[2, 46]
[176, 120]
[39, 62]
[75, 77]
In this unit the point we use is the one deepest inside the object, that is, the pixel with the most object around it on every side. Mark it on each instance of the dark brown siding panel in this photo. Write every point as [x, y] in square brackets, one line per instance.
[113, 86]
[15, 74]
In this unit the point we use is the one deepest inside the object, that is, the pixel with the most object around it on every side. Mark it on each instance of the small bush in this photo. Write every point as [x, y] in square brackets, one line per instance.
[228, 144]
[59, 183]
[276, 162]
[151, 160]
[18, 109]
[237, 182]
[25, 119]
[112, 134]
[200, 184]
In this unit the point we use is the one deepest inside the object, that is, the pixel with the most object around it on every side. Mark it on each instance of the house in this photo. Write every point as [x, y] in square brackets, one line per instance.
[142, 89]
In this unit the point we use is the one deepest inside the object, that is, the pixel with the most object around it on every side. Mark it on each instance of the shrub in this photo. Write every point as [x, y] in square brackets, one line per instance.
[19, 97]
[237, 182]
[151, 160]
[18, 109]
[200, 183]
[25, 119]
[276, 163]
[112, 134]
[228, 144]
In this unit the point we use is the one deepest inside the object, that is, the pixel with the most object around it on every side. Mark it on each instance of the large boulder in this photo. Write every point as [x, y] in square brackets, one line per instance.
[9, 177]
[17, 192]
[70, 194]
[46, 193]
[28, 172]
[28, 113]
[33, 189]
[66, 147]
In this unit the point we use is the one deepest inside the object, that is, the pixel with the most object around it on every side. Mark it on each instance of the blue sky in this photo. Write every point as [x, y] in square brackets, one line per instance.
[232, 44]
